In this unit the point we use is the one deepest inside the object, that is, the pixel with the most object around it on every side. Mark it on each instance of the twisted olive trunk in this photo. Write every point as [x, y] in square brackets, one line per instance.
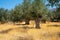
[27, 22]
[37, 21]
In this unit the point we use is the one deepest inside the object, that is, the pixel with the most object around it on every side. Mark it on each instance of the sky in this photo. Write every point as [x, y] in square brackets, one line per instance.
[9, 4]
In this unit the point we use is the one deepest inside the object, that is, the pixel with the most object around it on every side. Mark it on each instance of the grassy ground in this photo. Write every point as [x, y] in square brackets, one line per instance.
[48, 31]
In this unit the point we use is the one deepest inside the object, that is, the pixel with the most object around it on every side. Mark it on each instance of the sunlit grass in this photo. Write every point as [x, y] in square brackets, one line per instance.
[48, 31]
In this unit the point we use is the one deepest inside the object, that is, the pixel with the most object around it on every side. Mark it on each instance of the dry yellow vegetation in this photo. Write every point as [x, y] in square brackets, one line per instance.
[48, 31]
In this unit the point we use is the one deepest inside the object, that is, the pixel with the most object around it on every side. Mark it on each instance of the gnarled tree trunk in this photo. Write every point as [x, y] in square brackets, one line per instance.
[37, 21]
[27, 22]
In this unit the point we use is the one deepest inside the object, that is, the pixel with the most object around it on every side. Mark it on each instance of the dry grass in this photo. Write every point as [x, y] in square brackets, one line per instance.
[48, 31]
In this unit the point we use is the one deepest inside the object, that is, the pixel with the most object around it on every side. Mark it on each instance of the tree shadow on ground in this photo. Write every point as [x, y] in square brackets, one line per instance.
[5, 31]
[58, 34]
[20, 24]
[55, 25]
[26, 27]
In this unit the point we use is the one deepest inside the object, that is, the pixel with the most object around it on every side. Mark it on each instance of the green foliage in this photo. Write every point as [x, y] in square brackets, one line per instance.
[54, 15]
[44, 19]
[37, 8]
[26, 9]
[53, 2]
[31, 9]
[16, 14]
[3, 15]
